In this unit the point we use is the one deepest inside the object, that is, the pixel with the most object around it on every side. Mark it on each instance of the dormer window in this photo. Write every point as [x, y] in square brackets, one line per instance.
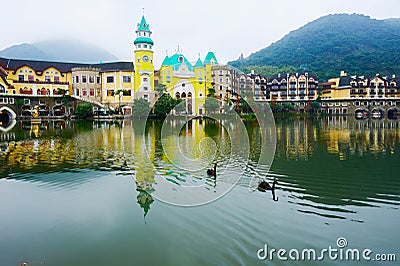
[180, 59]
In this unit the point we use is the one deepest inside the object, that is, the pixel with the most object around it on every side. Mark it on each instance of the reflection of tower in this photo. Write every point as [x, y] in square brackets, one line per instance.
[144, 148]
[145, 200]
[143, 61]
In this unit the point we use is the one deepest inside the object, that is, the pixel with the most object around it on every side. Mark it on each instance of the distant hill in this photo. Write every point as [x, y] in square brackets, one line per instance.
[355, 43]
[59, 50]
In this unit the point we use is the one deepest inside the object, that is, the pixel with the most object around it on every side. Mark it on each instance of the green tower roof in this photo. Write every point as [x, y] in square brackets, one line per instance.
[199, 64]
[143, 40]
[166, 62]
[143, 26]
[210, 56]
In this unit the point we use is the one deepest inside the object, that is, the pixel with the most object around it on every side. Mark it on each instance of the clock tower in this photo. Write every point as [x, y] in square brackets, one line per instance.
[143, 62]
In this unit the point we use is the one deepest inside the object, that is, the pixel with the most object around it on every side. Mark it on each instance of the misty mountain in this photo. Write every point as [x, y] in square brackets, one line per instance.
[355, 43]
[59, 50]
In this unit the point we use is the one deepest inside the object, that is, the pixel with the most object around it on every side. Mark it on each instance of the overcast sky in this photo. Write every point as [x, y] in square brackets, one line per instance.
[227, 27]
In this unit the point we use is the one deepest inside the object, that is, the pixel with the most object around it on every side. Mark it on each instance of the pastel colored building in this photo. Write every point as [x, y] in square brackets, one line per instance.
[188, 81]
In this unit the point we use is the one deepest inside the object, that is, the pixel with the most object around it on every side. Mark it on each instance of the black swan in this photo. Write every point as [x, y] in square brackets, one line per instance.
[212, 172]
[265, 186]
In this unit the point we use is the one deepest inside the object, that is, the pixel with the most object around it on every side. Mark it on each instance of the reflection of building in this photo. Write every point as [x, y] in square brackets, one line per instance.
[344, 136]
[296, 140]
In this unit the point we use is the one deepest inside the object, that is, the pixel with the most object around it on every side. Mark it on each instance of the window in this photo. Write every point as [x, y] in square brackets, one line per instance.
[110, 79]
[91, 79]
[220, 88]
[127, 92]
[145, 88]
[84, 92]
[76, 79]
[126, 79]
[27, 101]
[47, 78]
[145, 79]
[84, 79]
[20, 77]
[200, 80]
[2, 89]
[56, 79]
[11, 100]
[91, 93]
[110, 92]
[146, 97]
[98, 80]
[30, 78]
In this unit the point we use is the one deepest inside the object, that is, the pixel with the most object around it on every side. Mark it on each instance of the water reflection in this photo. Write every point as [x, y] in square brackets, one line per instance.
[326, 167]
[332, 166]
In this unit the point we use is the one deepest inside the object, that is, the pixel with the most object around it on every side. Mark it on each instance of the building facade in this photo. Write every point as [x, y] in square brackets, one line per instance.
[187, 81]
[363, 96]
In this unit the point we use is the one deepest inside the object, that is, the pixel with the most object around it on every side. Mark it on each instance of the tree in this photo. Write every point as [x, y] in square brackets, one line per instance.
[161, 89]
[84, 110]
[211, 105]
[165, 104]
[315, 106]
[18, 104]
[140, 107]
[180, 106]
[277, 108]
[287, 107]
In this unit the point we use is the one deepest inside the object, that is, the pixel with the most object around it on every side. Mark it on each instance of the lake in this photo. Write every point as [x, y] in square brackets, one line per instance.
[136, 193]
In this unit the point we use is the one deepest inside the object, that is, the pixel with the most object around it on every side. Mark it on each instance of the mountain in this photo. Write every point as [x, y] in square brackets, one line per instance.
[25, 51]
[354, 43]
[59, 50]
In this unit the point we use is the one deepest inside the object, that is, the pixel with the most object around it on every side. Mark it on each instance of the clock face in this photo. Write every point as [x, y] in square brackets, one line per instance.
[145, 58]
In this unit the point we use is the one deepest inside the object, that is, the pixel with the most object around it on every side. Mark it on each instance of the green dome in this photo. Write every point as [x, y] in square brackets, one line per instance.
[143, 40]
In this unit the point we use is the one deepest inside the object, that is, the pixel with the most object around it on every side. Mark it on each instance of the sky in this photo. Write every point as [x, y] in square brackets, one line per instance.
[226, 27]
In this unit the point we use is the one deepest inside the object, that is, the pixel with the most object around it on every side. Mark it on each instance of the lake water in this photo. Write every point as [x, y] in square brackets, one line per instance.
[100, 193]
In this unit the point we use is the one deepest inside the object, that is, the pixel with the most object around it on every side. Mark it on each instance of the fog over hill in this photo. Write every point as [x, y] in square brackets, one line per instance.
[59, 50]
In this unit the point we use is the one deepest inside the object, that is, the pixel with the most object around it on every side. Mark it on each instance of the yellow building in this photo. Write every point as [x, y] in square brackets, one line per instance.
[106, 86]
[187, 81]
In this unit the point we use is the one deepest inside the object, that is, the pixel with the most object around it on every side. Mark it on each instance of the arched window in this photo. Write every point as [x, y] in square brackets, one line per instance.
[2, 89]
[177, 95]
[189, 95]
[183, 95]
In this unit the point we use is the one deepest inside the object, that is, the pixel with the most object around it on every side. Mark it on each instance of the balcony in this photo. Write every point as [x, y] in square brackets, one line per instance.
[361, 92]
[40, 82]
